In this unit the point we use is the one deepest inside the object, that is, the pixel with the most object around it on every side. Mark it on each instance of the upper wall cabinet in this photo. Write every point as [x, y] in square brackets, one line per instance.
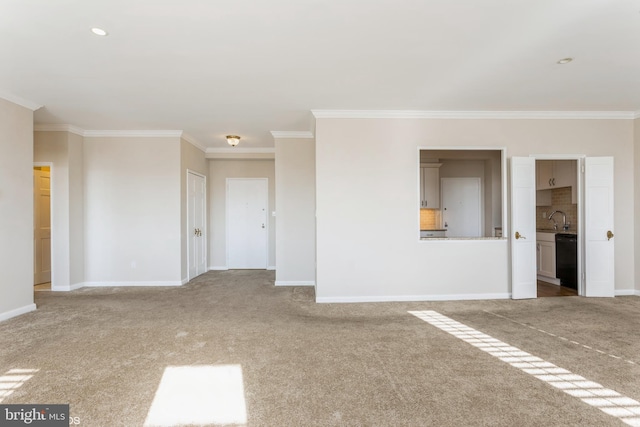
[430, 185]
[555, 174]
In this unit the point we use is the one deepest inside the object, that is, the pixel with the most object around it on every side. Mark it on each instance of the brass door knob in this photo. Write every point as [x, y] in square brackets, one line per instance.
[519, 236]
[609, 235]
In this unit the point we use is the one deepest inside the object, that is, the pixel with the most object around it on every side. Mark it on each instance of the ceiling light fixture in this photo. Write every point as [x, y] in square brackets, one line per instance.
[99, 31]
[233, 140]
[565, 61]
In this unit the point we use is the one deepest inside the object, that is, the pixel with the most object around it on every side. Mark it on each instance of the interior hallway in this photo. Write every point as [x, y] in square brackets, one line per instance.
[286, 360]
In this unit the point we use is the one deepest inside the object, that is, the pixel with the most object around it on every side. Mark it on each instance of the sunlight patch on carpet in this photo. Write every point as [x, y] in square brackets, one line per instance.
[608, 401]
[13, 379]
[199, 395]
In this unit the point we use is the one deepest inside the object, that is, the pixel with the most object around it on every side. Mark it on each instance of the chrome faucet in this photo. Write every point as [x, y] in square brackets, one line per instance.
[565, 226]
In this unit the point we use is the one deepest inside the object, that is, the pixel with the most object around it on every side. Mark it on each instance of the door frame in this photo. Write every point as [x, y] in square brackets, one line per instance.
[579, 158]
[188, 230]
[52, 212]
[266, 222]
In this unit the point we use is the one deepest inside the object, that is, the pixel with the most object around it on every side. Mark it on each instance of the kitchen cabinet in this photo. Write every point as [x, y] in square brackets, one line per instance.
[430, 185]
[546, 254]
[555, 174]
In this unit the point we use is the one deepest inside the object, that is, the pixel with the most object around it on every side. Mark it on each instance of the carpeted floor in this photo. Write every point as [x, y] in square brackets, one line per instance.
[105, 351]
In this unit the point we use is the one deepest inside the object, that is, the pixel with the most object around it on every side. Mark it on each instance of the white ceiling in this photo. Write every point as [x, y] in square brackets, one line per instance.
[212, 68]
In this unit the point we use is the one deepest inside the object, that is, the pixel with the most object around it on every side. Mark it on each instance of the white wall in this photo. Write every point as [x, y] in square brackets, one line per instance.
[369, 165]
[132, 211]
[64, 151]
[219, 171]
[16, 210]
[295, 212]
[192, 159]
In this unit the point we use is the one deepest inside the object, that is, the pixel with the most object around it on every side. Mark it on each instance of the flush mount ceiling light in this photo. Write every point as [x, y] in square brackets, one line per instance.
[233, 140]
[99, 31]
[565, 61]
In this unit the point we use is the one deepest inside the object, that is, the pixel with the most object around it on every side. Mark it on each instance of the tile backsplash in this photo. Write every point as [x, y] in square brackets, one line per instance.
[560, 200]
[429, 219]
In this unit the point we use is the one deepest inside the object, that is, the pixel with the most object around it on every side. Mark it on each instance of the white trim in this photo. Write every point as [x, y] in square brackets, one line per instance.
[191, 140]
[241, 150]
[271, 267]
[418, 114]
[286, 134]
[401, 298]
[33, 106]
[185, 281]
[133, 133]
[295, 283]
[116, 284]
[52, 127]
[218, 268]
[17, 312]
[636, 115]
[627, 292]
[550, 280]
[67, 288]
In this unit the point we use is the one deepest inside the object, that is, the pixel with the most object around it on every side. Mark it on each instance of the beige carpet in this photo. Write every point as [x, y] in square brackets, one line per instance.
[105, 351]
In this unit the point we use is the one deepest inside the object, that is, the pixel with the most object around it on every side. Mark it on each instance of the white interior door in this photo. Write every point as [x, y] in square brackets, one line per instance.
[523, 232]
[247, 204]
[599, 242]
[42, 225]
[462, 207]
[196, 214]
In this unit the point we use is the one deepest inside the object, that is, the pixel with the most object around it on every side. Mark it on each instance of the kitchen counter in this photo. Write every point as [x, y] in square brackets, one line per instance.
[433, 229]
[551, 230]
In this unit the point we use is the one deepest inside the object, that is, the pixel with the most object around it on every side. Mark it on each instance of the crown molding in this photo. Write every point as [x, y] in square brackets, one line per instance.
[44, 127]
[33, 106]
[285, 134]
[417, 114]
[191, 140]
[134, 133]
[636, 115]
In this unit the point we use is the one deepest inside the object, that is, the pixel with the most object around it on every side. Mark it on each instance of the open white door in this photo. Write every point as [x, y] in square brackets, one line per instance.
[523, 231]
[599, 243]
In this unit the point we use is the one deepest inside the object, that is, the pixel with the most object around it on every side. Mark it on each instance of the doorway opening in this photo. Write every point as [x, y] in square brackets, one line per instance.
[42, 265]
[558, 222]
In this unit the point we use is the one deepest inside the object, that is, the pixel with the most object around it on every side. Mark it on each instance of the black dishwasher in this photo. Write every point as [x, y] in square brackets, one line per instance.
[567, 259]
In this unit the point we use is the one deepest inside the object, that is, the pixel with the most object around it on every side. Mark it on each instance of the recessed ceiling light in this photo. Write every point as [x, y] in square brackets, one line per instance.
[565, 61]
[99, 31]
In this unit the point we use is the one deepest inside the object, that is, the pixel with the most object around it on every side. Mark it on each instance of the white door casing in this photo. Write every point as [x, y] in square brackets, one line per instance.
[247, 227]
[196, 226]
[462, 206]
[523, 232]
[599, 240]
[42, 225]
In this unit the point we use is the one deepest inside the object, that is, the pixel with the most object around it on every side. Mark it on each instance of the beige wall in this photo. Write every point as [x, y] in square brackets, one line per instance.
[132, 211]
[191, 159]
[64, 151]
[636, 156]
[219, 171]
[16, 210]
[295, 212]
[370, 165]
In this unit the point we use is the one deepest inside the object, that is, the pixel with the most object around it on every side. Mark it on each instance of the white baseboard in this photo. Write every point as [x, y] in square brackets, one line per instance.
[626, 292]
[67, 288]
[185, 281]
[218, 268]
[271, 267]
[404, 298]
[295, 283]
[552, 280]
[17, 312]
[116, 284]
